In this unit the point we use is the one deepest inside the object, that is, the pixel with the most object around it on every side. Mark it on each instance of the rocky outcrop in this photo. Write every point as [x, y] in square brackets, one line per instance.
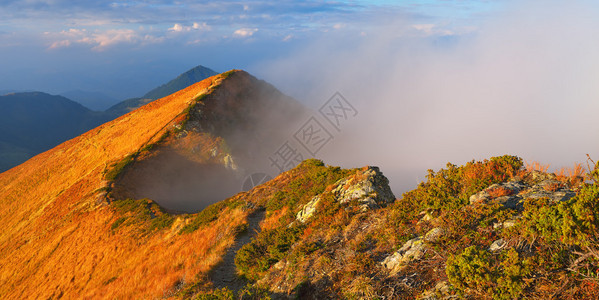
[510, 194]
[368, 188]
[412, 250]
[308, 210]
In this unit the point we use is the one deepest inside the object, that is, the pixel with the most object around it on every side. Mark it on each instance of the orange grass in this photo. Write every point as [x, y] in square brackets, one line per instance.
[56, 239]
[499, 192]
[272, 221]
[536, 166]
[572, 176]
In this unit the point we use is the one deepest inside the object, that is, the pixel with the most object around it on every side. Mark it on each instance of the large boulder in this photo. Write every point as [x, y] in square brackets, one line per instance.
[368, 188]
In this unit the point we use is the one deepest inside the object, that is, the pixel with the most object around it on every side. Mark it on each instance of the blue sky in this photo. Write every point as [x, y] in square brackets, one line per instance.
[123, 48]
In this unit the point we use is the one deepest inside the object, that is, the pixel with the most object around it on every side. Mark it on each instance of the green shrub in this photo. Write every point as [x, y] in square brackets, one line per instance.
[144, 213]
[541, 219]
[252, 292]
[581, 217]
[117, 168]
[477, 272]
[218, 294]
[118, 223]
[265, 250]
[594, 174]
[574, 222]
[308, 179]
[452, 187]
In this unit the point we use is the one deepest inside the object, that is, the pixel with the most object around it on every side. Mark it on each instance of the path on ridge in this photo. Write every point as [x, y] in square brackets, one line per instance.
[225, 273]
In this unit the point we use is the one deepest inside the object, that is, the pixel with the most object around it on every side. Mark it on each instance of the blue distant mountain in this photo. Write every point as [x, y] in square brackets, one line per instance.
[33, 122]
[96, 101]
[182, 81]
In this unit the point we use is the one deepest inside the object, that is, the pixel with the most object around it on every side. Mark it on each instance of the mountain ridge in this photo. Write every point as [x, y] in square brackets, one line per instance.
[76, 191]
[36, 121]
[182, 81]
[95, 101]
[12, 149]
[54, 207]
[78, 224]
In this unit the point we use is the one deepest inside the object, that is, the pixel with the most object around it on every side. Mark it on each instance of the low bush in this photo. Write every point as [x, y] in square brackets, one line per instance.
[479, 273]
[254, 258]
[452, 187]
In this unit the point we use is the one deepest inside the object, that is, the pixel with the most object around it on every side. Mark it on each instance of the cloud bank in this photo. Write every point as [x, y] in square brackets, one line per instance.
[522, 83]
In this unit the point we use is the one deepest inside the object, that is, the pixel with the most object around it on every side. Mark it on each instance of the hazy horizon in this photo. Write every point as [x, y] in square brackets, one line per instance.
[432, 81]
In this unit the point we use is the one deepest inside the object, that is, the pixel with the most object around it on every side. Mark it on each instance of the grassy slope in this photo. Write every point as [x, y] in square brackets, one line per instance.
[57, 237]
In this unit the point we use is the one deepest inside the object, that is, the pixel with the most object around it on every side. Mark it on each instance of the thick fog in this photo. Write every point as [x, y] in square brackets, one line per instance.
[525, 83]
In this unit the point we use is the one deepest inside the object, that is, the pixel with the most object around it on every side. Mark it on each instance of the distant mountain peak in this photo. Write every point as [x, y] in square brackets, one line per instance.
[182, 81]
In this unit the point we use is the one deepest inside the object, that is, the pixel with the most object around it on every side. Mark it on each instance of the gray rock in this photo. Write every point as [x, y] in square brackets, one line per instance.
[497, 245]
[538, 176]
[434, 235]
[411, 250]
[509, 223]
[369, 188]
[510, 201]
[441, 289]
[520, 191]
[308, 210]
[373, 190]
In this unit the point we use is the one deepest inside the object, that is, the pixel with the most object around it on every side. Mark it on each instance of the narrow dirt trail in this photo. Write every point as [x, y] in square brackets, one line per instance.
[225, 274]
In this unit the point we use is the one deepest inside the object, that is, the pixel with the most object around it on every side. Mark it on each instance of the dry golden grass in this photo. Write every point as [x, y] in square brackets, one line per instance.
[572, 176]
[56, 237]
[272, 220]
[499, 192]
[536, 166]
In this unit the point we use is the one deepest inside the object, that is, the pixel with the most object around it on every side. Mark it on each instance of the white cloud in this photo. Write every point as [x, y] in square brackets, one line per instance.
[518, 86]
[244, 32]
[432, 29]
[201, 26]
[195, 26]
[60, 44]
[98, 39]
[176, 28]
[112, 37]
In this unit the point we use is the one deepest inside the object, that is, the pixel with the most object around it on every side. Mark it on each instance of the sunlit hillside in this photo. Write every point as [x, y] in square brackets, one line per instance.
[58, 230]
[148, 206]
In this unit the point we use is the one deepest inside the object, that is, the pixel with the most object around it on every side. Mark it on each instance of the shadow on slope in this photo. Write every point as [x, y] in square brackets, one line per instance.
[177, 183]
[226, 134]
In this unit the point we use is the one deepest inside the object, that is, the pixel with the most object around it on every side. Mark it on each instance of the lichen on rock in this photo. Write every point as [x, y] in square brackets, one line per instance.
[369, 188]
[412, 250]
[510, 194]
